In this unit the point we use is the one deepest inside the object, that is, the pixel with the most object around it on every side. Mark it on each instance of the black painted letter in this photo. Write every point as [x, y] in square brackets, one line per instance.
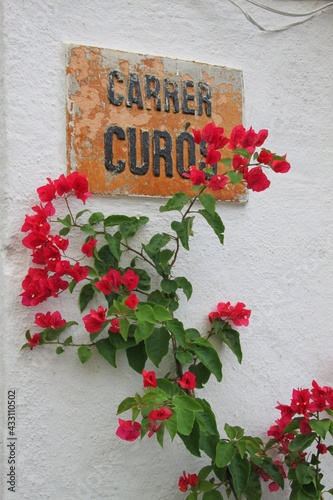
[204, 96]
[119, 132]
[181, 138]
[115, 99]
[160, 152]
[134, 95]
[135, 169]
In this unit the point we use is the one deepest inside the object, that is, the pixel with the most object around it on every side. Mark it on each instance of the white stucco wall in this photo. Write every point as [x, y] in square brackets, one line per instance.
[277, 256]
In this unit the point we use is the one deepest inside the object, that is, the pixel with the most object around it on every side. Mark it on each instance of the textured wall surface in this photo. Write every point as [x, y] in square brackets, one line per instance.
[277, 257]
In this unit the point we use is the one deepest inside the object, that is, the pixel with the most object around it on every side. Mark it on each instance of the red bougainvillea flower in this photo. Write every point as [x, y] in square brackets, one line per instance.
[109, 283]
[34, 340]
[114, 325]
[79, 273]
[280, 166]
[49, 320]
[247, 139]
[79, 184]
[127, 430]
[88, 247]
[256, 179]
[214, 136]
[130, 280]
[188, 381]
[265, 157]
[240, 163]
[196, 135]
[149, 379]
[153, 428]
[304, 426]
[217, 182]
[93, 321]
[213, 156]
[300, 401]
[48, 192]
[196, 176]
[187, 480]
[237, 314]
[322, 448]
[131, 301]
[63, 267]
[161, 414]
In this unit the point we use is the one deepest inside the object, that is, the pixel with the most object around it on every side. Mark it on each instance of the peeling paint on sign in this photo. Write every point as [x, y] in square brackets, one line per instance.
[129, 119]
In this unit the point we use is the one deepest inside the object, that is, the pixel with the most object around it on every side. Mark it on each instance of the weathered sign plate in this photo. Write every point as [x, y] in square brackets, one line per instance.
[129, 119]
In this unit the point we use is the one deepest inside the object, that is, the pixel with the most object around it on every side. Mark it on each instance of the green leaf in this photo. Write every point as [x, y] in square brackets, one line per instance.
[145, 312]
[185, 421]
[137, 357]
[183, 230]
[234, 177]
[157, 345]
[205, 471]
[143, 330]
[129, 229]
[95, 218]
[164, 257]
[208, 202]
[321, 427]
[302, 441]
[161, 314]
[157, 242]
[126, 404]
[168, 286]
[208, 356]
[184, 357]
[64, 231]
[107, 350]
[305, 473]
[105, 261]
[88, 229]
[240, 469]
[86, 295]
[124, 326]
[330, 449]
[205, 485]
[168, 387]
[171, 425]
[59, 350]
[116, 220]
[187, 403]
[212, 495]
[84, 353]
[79, 214]
[145, 279]
[114, 244]
[191, 441]
[253, 489]
[215, 223]
[273, 471]
[177, 329]
[231, 338]
[67, 221]
[192, 496]
[224, 453]
[208, 444]
[177, 202]
[242, 152]
[68, 341]
[185, 285]
[206, 420]
[234, 432]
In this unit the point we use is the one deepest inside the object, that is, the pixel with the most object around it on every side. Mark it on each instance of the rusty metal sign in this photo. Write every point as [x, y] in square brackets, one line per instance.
[129, 119]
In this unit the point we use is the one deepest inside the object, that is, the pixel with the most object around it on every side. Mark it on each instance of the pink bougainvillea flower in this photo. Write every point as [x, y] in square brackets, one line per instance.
[114, 325]
[256, 179]
[196, 176]
[88, 247]
[50, 320]
[130, 280]
[131, 301]
[93, 321]
[34, 340]
[153, 428]
[188, 381]
[127, 430]
[217, 182]
[149, 379]
[187, 480]
[161, 414]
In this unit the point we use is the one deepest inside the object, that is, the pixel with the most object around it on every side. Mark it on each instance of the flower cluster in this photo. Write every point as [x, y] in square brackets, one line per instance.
[187, 480]
[48, 250]
[243, 144]
[236, 314]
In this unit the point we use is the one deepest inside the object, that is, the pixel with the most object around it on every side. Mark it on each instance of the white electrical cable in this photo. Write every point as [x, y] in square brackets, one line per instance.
[308, 15]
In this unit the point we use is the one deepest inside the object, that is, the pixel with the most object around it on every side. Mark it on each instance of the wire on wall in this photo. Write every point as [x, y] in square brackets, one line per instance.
[305, 15]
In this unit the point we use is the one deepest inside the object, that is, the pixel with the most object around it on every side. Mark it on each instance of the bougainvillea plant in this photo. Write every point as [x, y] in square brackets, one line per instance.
[123, 311]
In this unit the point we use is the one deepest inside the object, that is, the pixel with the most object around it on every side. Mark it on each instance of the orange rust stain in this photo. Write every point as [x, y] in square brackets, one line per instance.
[89, 114]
